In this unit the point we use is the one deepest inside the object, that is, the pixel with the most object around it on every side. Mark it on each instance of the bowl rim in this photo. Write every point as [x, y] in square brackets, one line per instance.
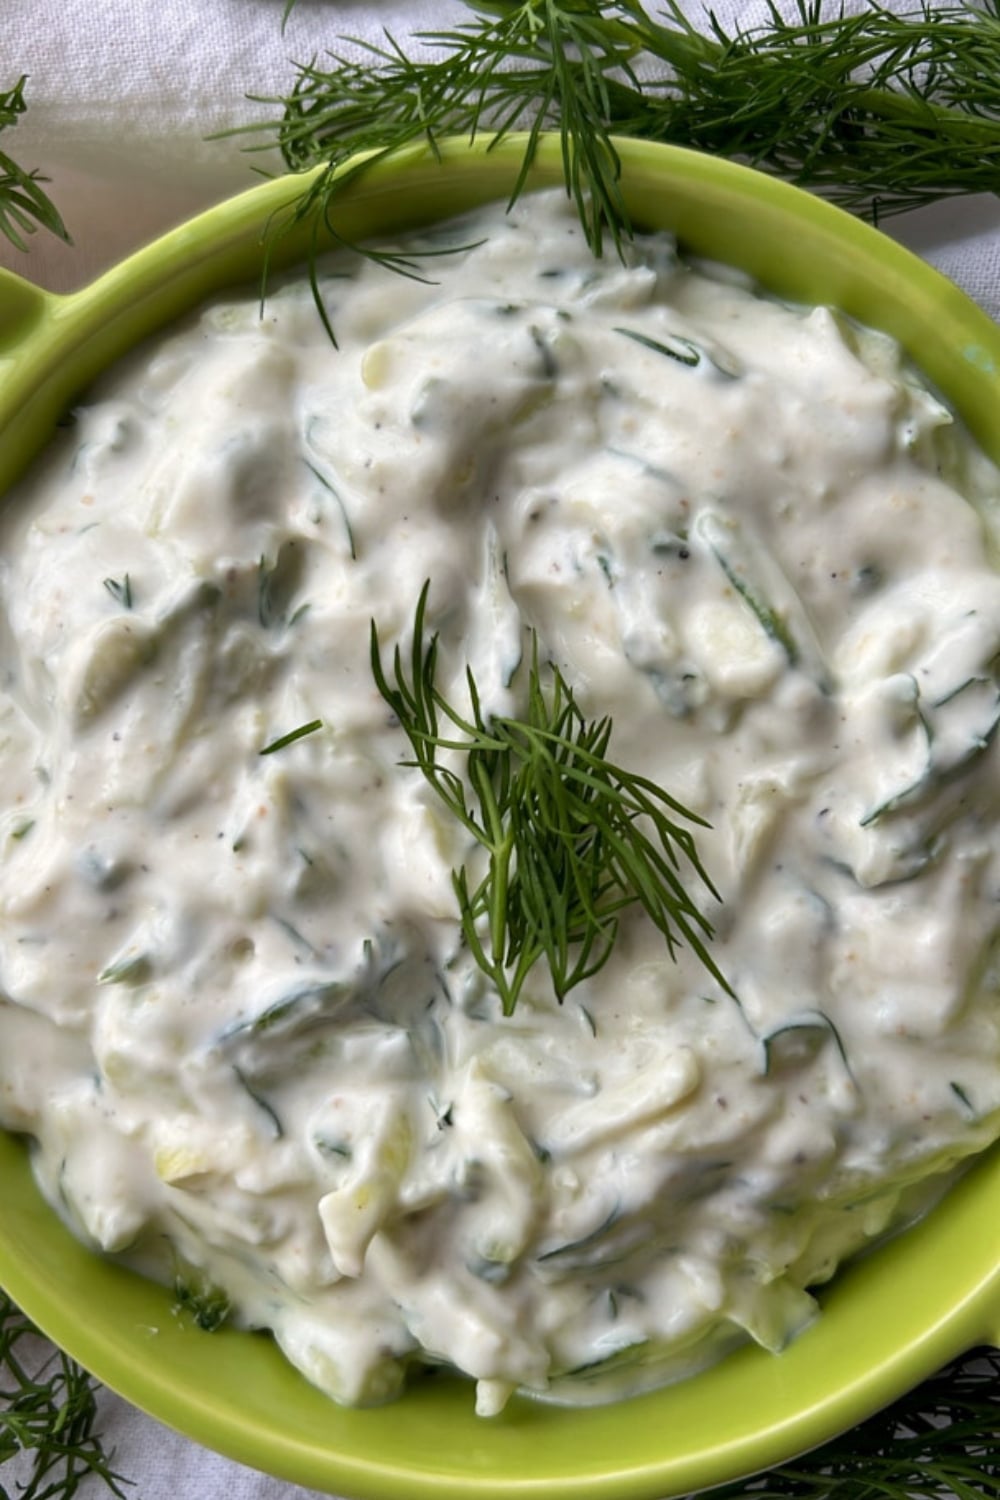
[56, 344]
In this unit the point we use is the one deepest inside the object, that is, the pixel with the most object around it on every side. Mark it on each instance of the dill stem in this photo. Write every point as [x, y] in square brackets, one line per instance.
[891, 104]
[685, 50]
[501, 846]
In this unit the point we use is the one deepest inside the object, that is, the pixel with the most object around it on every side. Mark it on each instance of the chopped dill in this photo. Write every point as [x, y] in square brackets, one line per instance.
[120, 590]
[292, 736]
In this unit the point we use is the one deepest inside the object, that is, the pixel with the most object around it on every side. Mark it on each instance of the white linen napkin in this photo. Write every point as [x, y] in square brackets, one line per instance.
[121, 96]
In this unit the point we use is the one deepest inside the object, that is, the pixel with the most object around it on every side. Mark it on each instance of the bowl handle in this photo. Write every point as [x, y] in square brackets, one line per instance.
[22, 304]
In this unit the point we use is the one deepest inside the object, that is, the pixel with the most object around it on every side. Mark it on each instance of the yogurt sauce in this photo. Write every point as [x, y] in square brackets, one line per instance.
[237, 1016]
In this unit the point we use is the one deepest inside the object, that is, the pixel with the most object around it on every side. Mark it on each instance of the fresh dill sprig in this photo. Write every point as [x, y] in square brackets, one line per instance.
[572, 839]
[939, 1442]
[880, 110]
[24, 206]
[48, 1413]
[532, 66]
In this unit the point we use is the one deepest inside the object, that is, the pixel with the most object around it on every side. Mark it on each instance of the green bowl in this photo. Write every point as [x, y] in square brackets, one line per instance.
[887, 1321]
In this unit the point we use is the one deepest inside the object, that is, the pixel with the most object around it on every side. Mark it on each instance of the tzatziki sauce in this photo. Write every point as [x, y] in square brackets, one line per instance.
[239, 1021]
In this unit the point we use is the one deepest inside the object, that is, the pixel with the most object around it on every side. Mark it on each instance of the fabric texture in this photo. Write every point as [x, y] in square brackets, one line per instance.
[122, 95]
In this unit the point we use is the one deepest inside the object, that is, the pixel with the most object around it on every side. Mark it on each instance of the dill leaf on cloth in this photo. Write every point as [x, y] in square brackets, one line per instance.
[24, 205]
[48, 1418]
[938, 1442]
[880, 110]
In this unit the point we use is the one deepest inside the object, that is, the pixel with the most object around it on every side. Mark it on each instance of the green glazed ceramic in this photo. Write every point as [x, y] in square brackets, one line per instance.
[888, 1321]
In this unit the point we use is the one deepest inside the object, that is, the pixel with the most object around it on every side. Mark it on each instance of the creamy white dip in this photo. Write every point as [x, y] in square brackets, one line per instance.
[236, 1014]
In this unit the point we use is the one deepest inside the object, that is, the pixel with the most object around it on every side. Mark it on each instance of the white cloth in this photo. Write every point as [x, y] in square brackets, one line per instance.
[121, 95]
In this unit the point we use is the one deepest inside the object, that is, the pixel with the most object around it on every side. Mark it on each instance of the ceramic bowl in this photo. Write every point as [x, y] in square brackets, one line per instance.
[887, 1321]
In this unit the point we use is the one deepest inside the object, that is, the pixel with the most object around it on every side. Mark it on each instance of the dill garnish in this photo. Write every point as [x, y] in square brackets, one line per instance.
[938, 1442]
[572, 839]
[880, 110]
[48, 1416]
[24, 206]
